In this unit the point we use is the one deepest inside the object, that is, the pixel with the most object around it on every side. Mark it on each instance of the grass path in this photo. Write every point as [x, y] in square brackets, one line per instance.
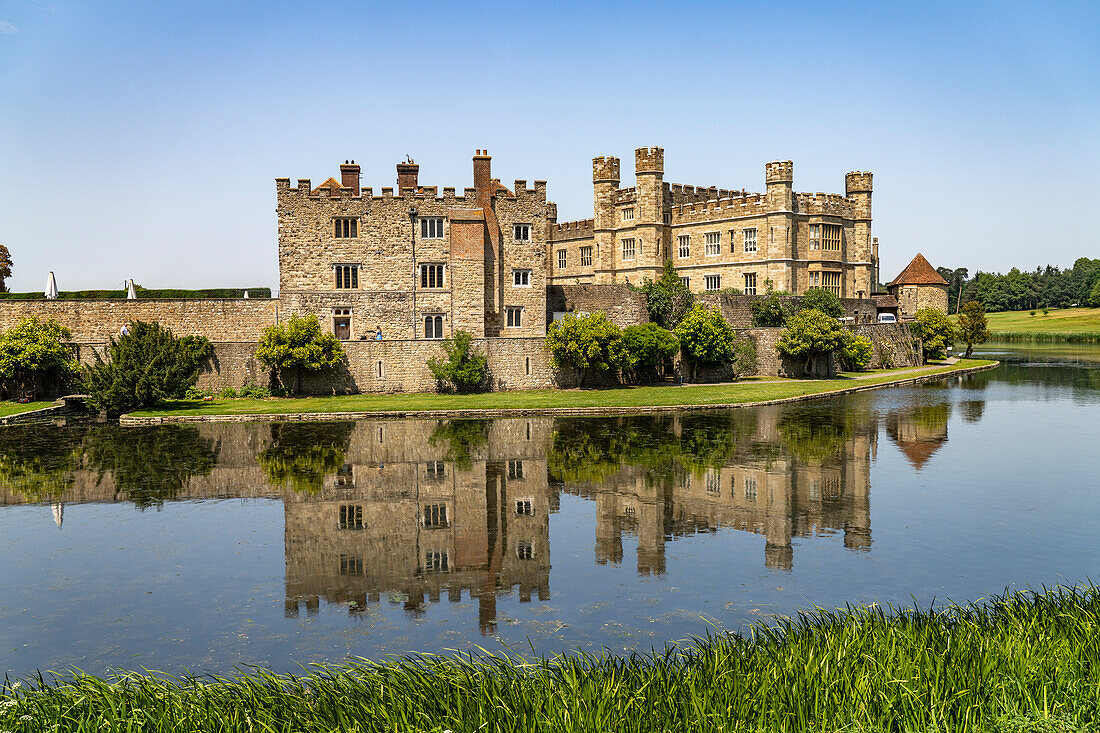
[640, 398]
[1063, 324]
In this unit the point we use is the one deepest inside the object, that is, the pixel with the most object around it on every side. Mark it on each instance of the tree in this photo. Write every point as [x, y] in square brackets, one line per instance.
[935, 330]
[144, 367]
[706, 338]
[588, 343]
[811, 334]
[770, 310]
[972, 328]
[822, 300]
[1094, 296]
[298, 344]
[302, 455]
[956, 281]
[667, 299]
[647, 347]
[856, 351]
[33, 351]
[464, 370]
[5, 268]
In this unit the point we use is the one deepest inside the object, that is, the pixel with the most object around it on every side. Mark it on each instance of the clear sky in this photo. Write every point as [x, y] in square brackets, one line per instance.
[142, 139]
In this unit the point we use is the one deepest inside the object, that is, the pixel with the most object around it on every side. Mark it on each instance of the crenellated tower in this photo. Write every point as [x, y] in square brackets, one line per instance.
[779, 237]
[649, 170]
[605, 184]
[860, 250]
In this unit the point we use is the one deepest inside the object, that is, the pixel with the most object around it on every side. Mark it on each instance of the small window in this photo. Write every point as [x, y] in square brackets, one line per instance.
[435, 515]
[437, 562]
[830, 237]
[667, 217]
[433, 326]
[527, 371]
[431, 276]
[351, 564]
[515, 470]
[713, 243]
[714, 482]
[750, 488]
[345, 476]
[435, 469]
[684, 242]
[346, 227]
[347, 277]
[815, 236]
[714, 282]
[586, 257]
[525, 550]
[831, 281]
[628, 248]
[521, 232]
[628, 214]
[750, 283]
[749, 238]
[379, 369]
[351, 516]
[815, 280]
[563, 259]
[514, 316]
[525, 508]
[521, 278]
[431, 227]
[686, 282]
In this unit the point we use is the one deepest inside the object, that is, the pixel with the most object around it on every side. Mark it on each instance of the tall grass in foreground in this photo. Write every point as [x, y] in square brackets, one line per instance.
[1069, 337]
[1023, 661]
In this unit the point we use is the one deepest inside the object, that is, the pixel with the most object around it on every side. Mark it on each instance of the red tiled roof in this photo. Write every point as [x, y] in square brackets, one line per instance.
[919, 272]
[331, 184]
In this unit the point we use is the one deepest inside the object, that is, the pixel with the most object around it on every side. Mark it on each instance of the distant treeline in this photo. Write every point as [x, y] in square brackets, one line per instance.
[1045, 287]
[145, 293]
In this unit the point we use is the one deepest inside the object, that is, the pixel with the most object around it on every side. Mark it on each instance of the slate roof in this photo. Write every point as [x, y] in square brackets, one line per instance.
[919, 272]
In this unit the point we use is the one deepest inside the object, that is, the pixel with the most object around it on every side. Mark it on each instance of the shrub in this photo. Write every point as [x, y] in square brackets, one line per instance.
[885, 354]
[228, 393]
[1031, 313]
[1094, 294]
[706, 338]
[811, 334]
[972, 328]
[935, 330]
[667, 299]
[647, 347]
[588, 343]
[298, 345]
[255, 392]
[145, 367]
[464, 370]
[33, 351]
[856, 352]
[770, 310]
[822, 300]
[193, 393]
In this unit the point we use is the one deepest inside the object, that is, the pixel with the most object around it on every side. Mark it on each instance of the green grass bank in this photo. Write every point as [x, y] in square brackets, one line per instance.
[1020, 662]
[15, 408]
[1071, 325]
[710, 395]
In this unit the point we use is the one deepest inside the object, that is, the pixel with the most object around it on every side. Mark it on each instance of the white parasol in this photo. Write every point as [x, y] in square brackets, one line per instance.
[131, 294]
[51, 287]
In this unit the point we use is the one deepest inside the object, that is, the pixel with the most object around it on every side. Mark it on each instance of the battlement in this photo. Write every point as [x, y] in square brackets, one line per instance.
[605, 169]
[626, 195]
[779, 171]
[583, 229]
[857, 182]
[749, 204]
[680, 193]
[649, 160]
[827, 204]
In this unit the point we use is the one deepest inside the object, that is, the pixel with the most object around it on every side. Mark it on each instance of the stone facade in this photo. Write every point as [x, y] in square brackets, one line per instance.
[919, 286]
[719, 238]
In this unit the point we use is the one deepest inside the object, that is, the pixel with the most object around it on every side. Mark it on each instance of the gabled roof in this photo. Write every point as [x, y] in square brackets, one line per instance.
[885, 301]
[919, 272]
[332, 184]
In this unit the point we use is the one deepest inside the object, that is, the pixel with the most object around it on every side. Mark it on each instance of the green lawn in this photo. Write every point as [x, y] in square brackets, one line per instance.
[1058, 324]
[722, 394]
[14, 408]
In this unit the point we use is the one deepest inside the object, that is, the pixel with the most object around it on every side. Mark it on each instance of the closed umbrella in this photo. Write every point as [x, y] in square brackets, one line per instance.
[246, 293]
[51, 287]
[131, 294]
[58, 513]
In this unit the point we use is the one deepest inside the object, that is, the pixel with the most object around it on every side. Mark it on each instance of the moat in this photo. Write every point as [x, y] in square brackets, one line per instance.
[213, 546]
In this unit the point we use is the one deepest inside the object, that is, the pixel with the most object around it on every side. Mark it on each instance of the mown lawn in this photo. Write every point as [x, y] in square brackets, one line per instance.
[1058, 321]
[722, 394]
[14, 408]
[1021, 662]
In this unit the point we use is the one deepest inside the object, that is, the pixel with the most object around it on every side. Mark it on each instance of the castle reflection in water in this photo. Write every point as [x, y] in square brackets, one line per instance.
[411, 511]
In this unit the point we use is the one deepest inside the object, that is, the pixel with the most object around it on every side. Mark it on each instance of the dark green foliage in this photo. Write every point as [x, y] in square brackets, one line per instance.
[1094, 295]
[298, 345]
[706, 338]
[145, 367]
[935, 330]
[207, 293]
[1047, 287]
[856, 352]
[301, 455]
[5, 268]
[667, 299]
[462, 437]
[33, 355]
[648, 347]
[255, 392]
[972, 327]
[770, 310]
[822, 300]
[587, 344]
[36, 468]
[956, 281]
[464, 370]
[811, 334]
[149, 465]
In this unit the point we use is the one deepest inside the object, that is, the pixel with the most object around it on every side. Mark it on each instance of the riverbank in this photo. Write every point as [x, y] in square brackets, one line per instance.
[1020, 662]
[1069, 325]
[539, 402]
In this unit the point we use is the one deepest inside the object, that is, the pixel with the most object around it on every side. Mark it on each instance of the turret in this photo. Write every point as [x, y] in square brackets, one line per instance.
[779, 177]
[857, 187]
[649, 169]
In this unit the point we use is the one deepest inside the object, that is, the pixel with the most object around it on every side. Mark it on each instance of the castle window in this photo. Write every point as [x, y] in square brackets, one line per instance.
[628, 248]
[815, 236]
[713, 243]
[831, 281]
[435, 515]
[515, 316]
[686, 282]
[667, 217]
[628, 214]
[431, 227]
[341, 323]
[521, 278]
[684, 241]
[431, 276]
[347, 277]
[433, 326]
[515, 470]
[815, 279]
[563, 259]
[750, 283]
[748, 236]
[525, 508]
[714, 282]
[521, 232]
[437, 562]
[830, 237]
[345, 227]
[435, 469]
[351, 516]
[351, 564]
[750, 488]
[586, 256]
[344, 476]
[714, 482]
[525, 550]
[527, 371]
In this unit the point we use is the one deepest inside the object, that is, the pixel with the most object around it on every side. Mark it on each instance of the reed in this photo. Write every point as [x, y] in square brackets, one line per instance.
[1070, 337]
[1023, 661]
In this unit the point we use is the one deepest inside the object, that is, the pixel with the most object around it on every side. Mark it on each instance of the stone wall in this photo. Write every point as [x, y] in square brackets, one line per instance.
[894, 343]
[622, 306]
[912, 298]
[737, 309]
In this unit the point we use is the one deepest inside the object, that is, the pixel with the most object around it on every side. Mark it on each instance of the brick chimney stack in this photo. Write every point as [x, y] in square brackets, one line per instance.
[483, 178]
[407, 174]
[349, 176]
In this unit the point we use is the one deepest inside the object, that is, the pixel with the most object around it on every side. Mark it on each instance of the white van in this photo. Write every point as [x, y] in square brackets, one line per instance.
[887, 318]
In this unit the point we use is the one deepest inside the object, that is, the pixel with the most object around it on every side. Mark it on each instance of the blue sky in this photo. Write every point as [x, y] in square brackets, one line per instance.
[142, 139]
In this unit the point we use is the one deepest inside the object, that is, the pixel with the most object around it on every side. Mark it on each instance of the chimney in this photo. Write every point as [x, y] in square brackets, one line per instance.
[349, 176]
[407, 173]
[483, 181]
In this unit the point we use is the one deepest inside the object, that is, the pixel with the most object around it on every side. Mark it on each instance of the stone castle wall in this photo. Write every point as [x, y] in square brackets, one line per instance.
[622, 306]
[737, 309]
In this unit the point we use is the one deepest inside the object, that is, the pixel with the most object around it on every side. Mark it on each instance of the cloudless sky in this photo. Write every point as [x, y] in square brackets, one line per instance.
[143, 139]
